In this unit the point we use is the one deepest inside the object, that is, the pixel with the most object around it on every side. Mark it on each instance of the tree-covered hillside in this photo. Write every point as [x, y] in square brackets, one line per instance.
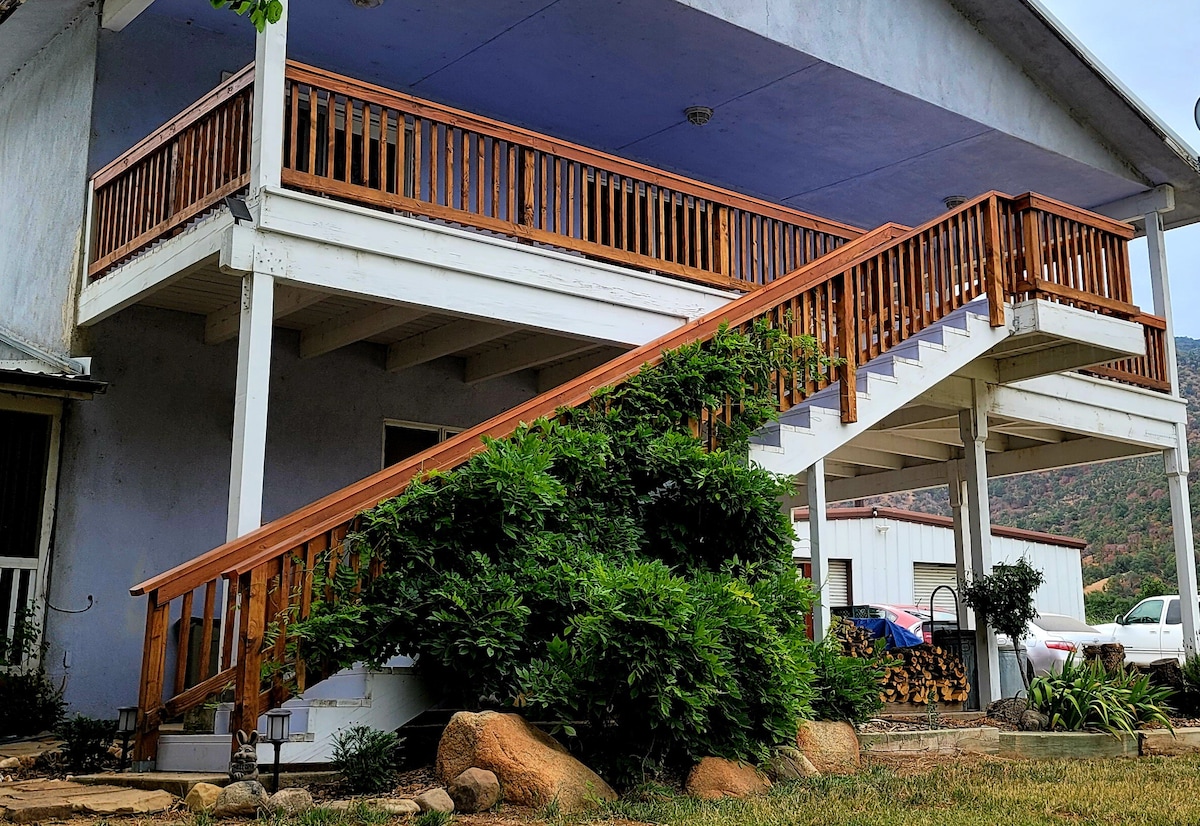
[1121, 508]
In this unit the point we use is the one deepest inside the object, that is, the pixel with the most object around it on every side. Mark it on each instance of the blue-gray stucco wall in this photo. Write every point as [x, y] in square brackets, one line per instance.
[145, 467]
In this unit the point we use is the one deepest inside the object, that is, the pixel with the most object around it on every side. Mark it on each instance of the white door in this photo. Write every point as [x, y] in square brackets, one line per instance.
[1139, 632]
[1170, 638]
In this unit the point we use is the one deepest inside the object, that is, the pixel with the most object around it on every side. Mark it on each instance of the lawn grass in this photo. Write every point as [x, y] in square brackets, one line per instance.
[987, 792]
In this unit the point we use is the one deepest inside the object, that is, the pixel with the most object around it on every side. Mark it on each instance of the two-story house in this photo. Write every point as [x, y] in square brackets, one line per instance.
[252, 283]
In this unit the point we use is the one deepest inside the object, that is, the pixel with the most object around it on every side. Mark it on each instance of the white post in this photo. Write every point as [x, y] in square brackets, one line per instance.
[818, 535]
[266, 140]
[250, 405]
[1156, 246]
[962, 542]
[973, 428]
[1175, 459]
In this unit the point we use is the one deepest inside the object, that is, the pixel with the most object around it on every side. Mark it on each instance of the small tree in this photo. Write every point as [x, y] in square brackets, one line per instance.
[1004, 600]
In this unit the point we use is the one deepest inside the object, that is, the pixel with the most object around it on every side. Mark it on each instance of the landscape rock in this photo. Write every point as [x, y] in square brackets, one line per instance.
[9, 764]
[202, 797]
[787, 763]
[396, 807]
[532, 767]
[338, 805]
[715, 777]
[291, 802]
[475, 790]
[1016, 711]
[242, 799]
[832, 748]
[435, 800]
[1033, 721]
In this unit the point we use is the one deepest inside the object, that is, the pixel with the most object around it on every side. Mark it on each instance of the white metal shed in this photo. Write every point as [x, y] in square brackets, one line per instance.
[897, 556]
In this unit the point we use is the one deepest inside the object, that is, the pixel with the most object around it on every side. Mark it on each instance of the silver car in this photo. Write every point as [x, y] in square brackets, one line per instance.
[1050, 639]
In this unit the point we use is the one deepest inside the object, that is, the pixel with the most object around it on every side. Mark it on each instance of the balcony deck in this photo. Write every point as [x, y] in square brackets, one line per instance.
[404, 158]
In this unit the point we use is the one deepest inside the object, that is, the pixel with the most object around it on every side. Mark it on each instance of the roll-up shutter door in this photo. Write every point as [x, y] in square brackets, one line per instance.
[836, 590]
[927, 577]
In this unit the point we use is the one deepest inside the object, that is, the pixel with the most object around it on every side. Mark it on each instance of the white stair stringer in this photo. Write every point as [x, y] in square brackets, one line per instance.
[813, 429]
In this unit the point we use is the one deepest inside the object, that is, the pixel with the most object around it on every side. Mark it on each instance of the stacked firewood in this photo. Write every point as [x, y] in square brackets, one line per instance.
[924, 673]
[855, 641]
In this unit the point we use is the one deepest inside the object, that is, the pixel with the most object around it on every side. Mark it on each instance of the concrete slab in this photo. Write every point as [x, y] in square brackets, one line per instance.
[177, 783]
[983, 740]
[1045, 745]
[1164, 743]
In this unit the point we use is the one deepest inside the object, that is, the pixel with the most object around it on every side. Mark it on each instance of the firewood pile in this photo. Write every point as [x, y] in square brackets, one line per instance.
[924, 673]
[914, 675]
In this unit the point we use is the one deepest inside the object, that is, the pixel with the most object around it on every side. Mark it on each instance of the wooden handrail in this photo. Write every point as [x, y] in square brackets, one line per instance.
[860, 300]
[183, 169]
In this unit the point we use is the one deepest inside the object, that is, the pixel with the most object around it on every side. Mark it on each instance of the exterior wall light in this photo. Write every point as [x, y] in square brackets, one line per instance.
[126, 725]
[698, 115]
[367, 4]
[954, 201]
[279, 730]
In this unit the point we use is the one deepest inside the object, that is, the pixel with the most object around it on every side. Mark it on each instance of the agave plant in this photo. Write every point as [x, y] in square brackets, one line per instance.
[1085, 696]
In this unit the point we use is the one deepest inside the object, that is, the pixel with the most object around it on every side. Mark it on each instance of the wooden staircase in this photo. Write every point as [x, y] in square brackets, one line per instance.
[859, 301]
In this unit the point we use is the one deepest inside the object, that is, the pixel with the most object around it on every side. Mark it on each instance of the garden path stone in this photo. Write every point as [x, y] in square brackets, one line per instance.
[32, 801]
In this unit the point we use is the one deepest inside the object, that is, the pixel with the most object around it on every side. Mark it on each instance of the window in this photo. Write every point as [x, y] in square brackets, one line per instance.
[404, 439]
[1173, 617]
[1147, 612]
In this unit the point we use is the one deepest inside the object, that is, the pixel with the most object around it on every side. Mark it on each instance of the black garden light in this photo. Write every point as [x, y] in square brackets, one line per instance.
[279, 725]
[126, 725]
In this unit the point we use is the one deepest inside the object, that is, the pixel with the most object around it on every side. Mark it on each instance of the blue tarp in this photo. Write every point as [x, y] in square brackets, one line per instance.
[895, 636]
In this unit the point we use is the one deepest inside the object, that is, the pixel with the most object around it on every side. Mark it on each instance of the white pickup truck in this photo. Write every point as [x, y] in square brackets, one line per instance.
[1151, 630]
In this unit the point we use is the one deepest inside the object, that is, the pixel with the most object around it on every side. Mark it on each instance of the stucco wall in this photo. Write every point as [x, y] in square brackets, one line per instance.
[146, 467]
[927, 49]
[152, 70]
[45, 112]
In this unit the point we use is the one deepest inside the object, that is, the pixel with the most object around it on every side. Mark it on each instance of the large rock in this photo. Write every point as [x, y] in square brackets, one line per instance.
[291, 802]
[246, 798]
[435, 800]
[832, 748]
[475, 790]
[396, 807]
[532, 767]
[202, 797]
[787, 763]
[715, 777]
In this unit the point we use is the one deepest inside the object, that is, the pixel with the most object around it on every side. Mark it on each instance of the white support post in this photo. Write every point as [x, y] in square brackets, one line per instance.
[250, 405]
[1176, 460]
[962, 541]
[818, 536]
[266, 140]
[974, 431]
[1160, 285]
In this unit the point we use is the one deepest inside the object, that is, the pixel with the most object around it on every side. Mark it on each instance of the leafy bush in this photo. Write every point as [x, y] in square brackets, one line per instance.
[1004, 599]
[86, 742]
[1191, 672]
[609, 567]
[845, 688]
[29, 703]
[366, 758]
[1085, 696]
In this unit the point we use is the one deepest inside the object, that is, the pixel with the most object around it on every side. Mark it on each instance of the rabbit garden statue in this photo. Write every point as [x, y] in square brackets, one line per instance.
[244, 763]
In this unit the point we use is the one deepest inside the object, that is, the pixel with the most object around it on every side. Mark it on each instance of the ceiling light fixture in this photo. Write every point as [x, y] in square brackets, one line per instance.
[698, 115]
[954, 201]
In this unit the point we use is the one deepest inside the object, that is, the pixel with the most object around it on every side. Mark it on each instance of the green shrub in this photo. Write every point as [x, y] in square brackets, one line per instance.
[606, 568]
[1004, 599]
[86, 742]
[366, 758]
[1191, 672]
[29, 703]
[845, 688]
[1085, 696]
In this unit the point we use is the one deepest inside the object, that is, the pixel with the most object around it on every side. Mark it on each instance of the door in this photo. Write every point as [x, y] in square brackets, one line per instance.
[1170, 638]
[927, 577]
[28, 470]
[1139, 631]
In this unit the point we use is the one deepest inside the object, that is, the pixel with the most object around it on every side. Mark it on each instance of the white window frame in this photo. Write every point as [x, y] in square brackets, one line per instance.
[444, 432]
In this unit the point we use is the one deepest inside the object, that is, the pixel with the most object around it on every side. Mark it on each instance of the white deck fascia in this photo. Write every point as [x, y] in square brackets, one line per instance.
[340, 248]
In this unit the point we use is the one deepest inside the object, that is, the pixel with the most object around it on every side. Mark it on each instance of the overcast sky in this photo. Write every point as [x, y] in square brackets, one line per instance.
[1153, 47]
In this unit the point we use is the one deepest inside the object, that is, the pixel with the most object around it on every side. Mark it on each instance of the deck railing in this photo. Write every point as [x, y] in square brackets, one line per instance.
[180, 171]
[382, 148]
[858, 301]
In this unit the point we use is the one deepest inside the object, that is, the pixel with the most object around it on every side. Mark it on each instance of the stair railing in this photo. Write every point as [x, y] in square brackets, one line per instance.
[858, 301]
